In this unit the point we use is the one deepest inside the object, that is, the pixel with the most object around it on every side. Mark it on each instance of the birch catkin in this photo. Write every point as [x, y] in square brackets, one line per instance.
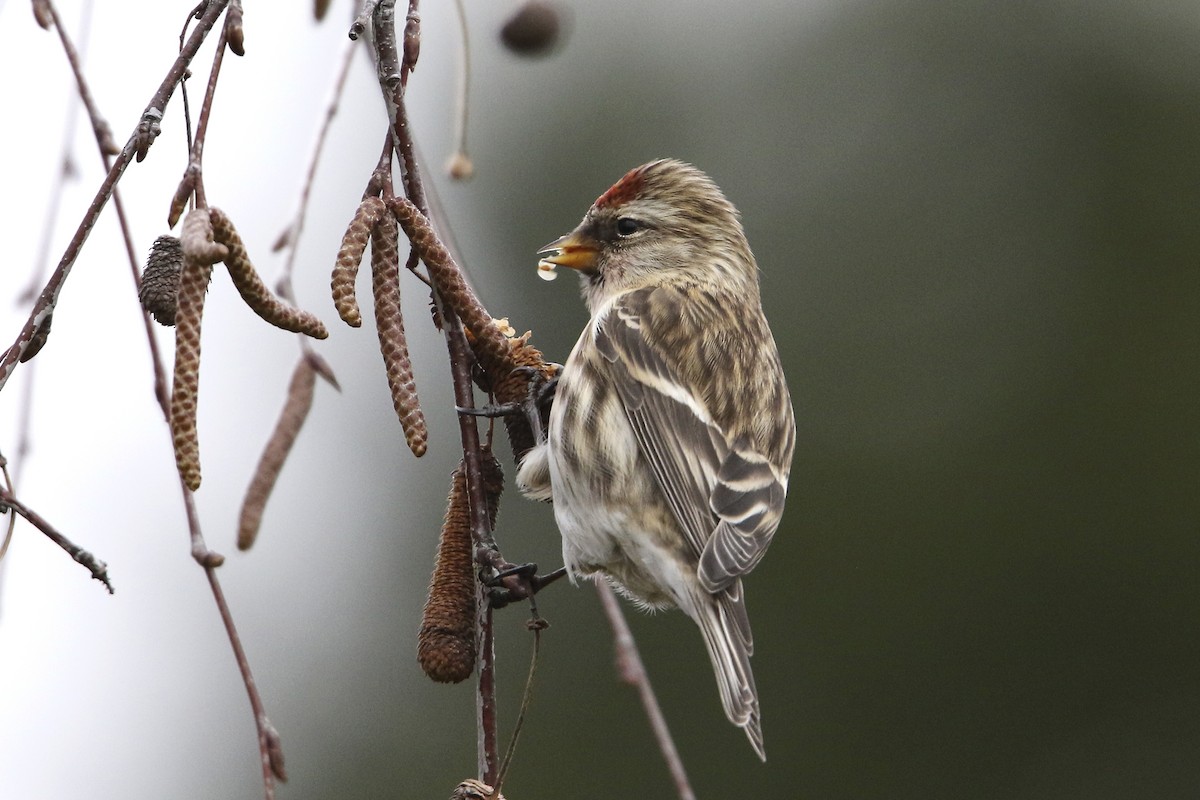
[291, 420]
[252, 289]
[389, 324]
[199, 254]
[354, 244]
[491, 344]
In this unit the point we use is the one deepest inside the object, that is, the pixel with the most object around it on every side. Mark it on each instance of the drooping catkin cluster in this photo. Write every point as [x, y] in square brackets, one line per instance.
[373, 223]
[252, 289]
[389, 324]
[208, 237]
[491, 345]
[446, 641]
[509, 362]
[295, 411]
[200, 252]
[345, 271]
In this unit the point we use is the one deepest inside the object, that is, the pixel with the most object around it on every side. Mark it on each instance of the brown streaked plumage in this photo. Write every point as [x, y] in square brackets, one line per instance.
[671, 434]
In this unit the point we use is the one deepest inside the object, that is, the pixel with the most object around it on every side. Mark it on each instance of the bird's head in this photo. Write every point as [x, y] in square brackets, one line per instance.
[665, 222]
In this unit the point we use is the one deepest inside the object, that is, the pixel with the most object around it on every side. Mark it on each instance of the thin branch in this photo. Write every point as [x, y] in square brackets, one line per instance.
[459, 166]
[66, 169]
[103, 135]
[138, 144]
[192, 183]
[97, 567]
[389, 72]
[290, 238]
[631, 670]
[12, 518]
[270, 750]
[102, 130]
[28, 295]
[536, 625]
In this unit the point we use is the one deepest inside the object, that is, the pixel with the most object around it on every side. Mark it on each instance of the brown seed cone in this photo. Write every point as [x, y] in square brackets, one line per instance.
[291, 420]
[491, 345]
[199, 254]
[254, 291]
[513, 387]
[159, 292]
[389, 324]
[345, 270]
[446, 641]
[496, 353]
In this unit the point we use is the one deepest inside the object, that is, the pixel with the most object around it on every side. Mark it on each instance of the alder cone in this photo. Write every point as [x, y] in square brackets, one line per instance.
[159, 292]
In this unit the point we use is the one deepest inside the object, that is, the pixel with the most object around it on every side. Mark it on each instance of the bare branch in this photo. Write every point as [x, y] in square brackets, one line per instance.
[97, 567]
[290, 238]
[138, 142]
[459, 166]
[192, 183]
[631, 670]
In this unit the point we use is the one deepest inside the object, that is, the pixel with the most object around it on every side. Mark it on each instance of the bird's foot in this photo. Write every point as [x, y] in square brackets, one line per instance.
[518, 582]
[535, 407]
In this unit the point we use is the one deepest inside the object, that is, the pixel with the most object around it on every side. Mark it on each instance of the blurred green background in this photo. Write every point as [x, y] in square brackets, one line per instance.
[977, 225]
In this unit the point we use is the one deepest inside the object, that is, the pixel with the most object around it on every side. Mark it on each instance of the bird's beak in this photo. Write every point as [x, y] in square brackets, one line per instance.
[572, 251]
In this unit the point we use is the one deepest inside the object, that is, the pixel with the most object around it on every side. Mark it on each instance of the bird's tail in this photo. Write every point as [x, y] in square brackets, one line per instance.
[726, 629]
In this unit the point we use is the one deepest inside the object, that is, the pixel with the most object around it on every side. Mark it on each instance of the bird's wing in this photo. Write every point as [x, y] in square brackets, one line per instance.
[727, 497]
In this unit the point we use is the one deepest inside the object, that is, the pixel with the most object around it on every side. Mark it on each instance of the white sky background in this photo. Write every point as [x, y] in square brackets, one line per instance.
[111, 696]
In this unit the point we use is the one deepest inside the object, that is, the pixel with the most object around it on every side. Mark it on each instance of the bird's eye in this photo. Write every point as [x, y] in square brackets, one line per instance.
[626, 226]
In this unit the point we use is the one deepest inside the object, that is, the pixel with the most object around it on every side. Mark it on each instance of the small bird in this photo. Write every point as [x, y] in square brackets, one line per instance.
[670, 436]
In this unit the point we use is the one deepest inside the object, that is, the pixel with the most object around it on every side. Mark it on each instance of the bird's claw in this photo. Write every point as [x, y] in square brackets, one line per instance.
[535, 407]
[518, 582]
[493, 410]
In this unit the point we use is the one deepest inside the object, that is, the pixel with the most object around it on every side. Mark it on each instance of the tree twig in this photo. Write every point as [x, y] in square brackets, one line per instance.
[66, 170]
[97, 567]
[138, 144]
[192, 183]
[459, 165]
[289, 239]
[389, 70]
[270, 750]
[631, 670]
